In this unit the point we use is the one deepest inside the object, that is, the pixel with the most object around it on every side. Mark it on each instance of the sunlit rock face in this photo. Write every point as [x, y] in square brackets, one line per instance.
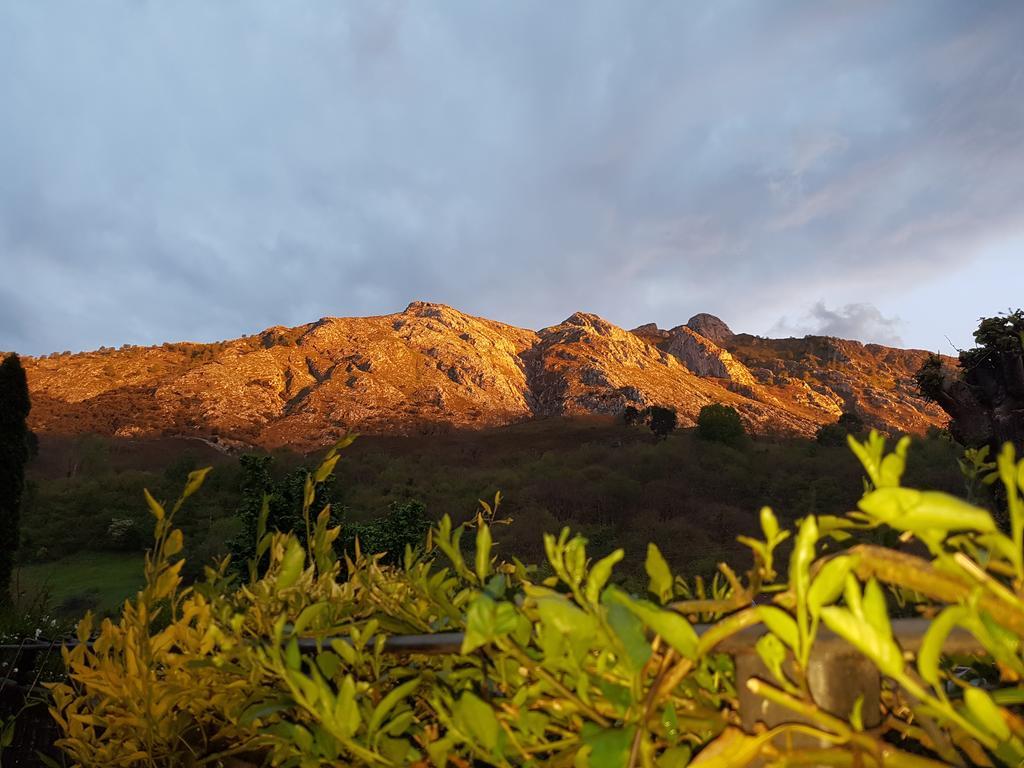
[432, 367]
[704, 357]
[710, 327]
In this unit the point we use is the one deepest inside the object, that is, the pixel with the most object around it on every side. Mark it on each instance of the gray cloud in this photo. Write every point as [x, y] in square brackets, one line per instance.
[863, 322]
[202, 170]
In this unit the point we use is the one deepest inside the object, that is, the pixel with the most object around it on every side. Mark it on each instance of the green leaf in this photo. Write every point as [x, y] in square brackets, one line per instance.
[174, 543]
[673, 628]
[618, 696]
[934, 638]
[675, 757]
[661, 581]
[345, 715]
[486, 620]
[325, 469]
[609, 747]
[195, 481]
[987, 714]
[261, 710]
[291, 565]
[154, 505]
[292, 655]
[882, 651]
[906, 509]
[576, 560]
[773, 654]
[769, 524]
[388, 703]
[780, 623]
[483, 552]
[328, 663]
[600, 574]
[308, 493]
[476, 719]
[803, 554]
[876, 613]
[309, 615]
[828, 584]
[630, 632]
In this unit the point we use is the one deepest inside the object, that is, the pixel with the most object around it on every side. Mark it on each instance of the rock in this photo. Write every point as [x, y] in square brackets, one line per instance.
[710, 327]
[704, 358]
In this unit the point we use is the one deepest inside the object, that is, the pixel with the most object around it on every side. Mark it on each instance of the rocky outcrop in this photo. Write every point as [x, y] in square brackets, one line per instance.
[705, 358]
[432, 367]
[710, 327]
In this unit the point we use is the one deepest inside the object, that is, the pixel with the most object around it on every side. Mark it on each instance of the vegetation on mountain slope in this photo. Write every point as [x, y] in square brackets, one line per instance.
[614, 484]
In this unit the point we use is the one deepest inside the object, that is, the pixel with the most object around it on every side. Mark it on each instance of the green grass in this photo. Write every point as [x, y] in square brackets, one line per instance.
[99, 581]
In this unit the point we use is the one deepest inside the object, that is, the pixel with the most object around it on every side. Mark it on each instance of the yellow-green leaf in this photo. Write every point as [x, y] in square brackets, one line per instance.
[934, 638]
[600, 574]
[661, 581]
[781, 624]
[195, 481]
[291, 565]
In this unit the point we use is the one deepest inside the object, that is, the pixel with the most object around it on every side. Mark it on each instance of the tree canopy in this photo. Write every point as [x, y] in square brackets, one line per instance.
[984, 394]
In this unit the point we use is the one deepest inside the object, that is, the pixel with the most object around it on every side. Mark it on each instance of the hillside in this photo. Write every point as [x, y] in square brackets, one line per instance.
[432, 368]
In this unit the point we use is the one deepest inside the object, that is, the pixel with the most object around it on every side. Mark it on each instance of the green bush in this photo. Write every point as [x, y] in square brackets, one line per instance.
[662, 421]
[835, 434]
[560, 665]
[720, 423]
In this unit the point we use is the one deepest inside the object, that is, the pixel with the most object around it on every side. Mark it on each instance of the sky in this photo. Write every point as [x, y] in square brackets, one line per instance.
[197, 170]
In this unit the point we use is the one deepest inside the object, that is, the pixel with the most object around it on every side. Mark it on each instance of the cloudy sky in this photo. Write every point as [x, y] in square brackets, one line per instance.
[202, 170]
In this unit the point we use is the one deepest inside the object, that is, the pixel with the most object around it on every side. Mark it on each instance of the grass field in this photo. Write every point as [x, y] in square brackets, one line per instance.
[97, 581]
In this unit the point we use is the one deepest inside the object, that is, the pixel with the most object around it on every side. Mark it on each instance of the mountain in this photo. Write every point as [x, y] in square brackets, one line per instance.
[432, 367]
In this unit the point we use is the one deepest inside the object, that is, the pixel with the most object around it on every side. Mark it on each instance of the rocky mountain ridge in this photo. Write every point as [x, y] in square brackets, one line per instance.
[432, 367]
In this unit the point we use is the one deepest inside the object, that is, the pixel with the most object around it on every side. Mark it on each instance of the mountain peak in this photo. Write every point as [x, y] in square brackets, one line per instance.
[591, 321]
[710, 327]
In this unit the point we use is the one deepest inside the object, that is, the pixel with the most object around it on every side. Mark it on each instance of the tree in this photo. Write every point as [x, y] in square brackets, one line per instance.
[661, 420]
[720, 423]
[406, 524]
[835, 434]
[14, 449]
[284, 505]
[631, 416]
[984, 393]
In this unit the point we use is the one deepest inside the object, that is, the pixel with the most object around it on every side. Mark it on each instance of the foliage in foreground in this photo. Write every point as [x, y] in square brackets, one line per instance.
[558, 667]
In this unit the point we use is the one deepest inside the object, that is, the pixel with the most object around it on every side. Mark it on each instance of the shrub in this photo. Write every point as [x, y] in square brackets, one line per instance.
[835, 434]
[631, 416]
[661, 421]
[720, 423]
[560, 665]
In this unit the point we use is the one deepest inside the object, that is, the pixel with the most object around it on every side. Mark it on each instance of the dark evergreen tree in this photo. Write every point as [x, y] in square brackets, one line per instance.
[284, 499]
[631, 416]
[720, 423]
[835, 434]
[14, 449]
[661, 421]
